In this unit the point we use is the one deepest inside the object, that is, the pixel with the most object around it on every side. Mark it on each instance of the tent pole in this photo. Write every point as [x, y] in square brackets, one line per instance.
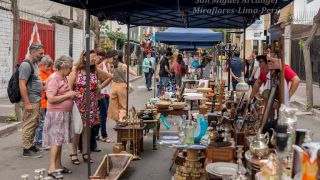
[128, 62]
[87, 36]
[244, 43]
[155, 69]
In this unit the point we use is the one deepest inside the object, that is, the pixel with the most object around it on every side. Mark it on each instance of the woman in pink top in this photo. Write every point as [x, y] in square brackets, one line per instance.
[179, 70]
[57, 125]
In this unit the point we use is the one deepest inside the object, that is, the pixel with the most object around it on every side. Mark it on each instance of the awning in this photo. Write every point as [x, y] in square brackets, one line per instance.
[180, 13]
[188, 36]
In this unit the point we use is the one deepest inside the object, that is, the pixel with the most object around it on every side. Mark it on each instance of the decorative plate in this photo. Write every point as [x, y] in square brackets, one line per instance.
[196, 146]
[170, 137]
[221, 168]
[179, 145]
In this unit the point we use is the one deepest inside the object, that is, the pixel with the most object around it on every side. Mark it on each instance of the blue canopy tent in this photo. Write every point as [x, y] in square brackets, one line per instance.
[167, 13]
[191, 48]
[188, 36]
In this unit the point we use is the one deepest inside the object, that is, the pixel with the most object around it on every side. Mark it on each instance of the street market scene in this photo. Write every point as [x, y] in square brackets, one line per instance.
[161, 90]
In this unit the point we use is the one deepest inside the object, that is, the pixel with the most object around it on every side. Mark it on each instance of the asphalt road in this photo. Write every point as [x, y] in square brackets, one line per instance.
[153, 165]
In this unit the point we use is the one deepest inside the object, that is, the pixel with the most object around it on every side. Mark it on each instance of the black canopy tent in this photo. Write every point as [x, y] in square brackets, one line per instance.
[167, 13]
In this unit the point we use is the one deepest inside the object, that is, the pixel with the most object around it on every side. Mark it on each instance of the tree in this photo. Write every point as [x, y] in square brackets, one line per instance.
[116, 36]
[15, 48]
[95, 27]
[307, 61]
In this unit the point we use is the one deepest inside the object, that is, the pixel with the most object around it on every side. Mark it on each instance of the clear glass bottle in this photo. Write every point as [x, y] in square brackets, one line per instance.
[189, 134]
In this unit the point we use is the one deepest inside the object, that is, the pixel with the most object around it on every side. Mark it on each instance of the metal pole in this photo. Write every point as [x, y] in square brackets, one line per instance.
[128, 62]
[87, 36]
[155, 69]
[71, 33]
[244, 43]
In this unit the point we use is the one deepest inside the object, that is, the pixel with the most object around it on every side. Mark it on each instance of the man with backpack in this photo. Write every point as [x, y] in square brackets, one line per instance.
[30, 86]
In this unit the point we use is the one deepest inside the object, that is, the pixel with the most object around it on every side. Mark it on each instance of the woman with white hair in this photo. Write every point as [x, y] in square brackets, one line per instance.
[57, 126]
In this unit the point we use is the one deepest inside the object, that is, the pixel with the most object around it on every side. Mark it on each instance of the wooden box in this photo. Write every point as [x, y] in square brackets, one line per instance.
[220, 154]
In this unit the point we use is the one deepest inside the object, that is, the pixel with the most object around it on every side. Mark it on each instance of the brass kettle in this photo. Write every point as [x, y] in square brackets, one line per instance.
[259, 145]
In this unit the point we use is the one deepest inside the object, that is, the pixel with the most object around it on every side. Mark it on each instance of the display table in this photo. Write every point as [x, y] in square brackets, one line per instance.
[125, 134]
[155, 125]
[174, 112]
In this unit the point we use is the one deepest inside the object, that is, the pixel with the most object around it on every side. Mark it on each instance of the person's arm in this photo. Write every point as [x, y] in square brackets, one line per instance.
[131, 72]
[102, 75]
[234, 76]
[105, 83]
[52, 99]
[24, 76]
[24, 94]
[295, 81]
[255, 88]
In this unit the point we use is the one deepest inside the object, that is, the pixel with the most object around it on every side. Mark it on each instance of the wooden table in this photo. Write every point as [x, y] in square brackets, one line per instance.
[174, 112]
[155, 125]
[123, 135]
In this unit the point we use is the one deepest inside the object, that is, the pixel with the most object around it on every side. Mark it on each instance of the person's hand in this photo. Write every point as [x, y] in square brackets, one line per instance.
[71, 94]
[28, 107]
[237, 78]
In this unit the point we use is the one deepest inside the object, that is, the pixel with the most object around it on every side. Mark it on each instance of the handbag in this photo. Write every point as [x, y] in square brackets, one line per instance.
[151, 70]
[76, 119]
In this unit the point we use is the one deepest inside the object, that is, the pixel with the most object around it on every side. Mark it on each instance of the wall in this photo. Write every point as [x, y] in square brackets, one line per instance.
[6, 29]
[304, 11]
[62, 41]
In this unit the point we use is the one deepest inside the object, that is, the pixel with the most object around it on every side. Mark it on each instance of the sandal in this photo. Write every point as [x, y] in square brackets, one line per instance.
[65, 170]
[76, 160]
[55, 175]
[106, 139]
[85, 159]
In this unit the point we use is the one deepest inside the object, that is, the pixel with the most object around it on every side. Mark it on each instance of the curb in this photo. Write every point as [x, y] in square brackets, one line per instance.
[301, 105]
[9, 128]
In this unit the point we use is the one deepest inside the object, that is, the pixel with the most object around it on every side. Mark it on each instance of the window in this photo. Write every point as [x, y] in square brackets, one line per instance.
[255, 45]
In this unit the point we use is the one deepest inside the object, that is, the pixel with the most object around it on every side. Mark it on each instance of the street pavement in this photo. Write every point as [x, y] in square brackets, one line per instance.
[153, 165]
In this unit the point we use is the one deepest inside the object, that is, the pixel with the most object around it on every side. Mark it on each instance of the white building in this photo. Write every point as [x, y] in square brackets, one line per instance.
[305, 10]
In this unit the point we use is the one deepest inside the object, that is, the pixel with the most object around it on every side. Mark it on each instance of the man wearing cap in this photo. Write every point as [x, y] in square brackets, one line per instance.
[30, 86]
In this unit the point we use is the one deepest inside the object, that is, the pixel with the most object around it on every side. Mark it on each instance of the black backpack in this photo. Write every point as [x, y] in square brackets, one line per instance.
[13, 89]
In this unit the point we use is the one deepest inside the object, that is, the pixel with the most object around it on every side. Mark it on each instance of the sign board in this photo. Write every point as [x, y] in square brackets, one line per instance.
[256, 31]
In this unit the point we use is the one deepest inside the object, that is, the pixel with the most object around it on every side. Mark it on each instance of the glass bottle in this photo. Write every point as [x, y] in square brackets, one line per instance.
[189, 134]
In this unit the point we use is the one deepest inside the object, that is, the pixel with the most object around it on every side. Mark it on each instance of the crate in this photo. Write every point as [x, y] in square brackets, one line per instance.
[220, 154]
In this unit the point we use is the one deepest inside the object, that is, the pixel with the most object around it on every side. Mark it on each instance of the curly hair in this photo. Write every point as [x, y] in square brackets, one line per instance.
[81, 64]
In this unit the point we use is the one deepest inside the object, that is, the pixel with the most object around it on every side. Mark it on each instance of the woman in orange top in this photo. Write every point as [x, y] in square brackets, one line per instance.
[45, 70]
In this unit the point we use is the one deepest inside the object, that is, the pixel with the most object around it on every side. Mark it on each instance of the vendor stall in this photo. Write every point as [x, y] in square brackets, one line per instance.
[229, 125]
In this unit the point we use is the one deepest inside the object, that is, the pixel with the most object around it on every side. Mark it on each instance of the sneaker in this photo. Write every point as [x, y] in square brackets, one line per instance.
[30, 153]
[45, 148]
[36, 149]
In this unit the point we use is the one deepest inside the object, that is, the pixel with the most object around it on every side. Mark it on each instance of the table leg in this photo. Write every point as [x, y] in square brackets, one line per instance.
[158, 130]
[154, 140]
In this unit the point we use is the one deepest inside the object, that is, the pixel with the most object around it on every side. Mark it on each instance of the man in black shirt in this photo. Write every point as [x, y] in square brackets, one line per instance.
[164, 72]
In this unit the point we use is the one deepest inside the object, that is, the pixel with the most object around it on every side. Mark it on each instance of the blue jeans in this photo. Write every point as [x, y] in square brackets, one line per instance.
[148, 77]
[234, 84]
[38, 136]
[164, 82]
[103, 108]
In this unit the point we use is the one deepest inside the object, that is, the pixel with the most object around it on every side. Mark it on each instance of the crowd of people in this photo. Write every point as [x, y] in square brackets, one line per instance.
[50, 90]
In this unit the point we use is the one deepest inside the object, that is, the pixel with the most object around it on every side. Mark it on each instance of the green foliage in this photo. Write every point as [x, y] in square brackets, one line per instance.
[115, 36]
[301, 42]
